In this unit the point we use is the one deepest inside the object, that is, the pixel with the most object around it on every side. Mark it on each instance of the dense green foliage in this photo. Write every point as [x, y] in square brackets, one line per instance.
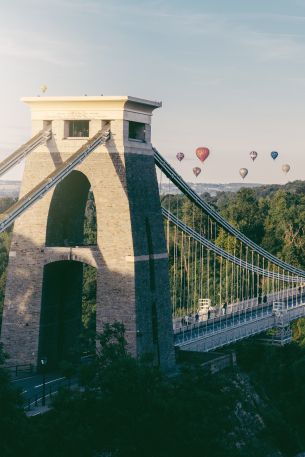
[90, 221]
[271, 216]
[128, 408]
[276, 221]
[13, 423]
[89, 281]
[278, 376]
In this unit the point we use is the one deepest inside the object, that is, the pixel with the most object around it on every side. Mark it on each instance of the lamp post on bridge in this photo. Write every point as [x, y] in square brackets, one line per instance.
[43, 362]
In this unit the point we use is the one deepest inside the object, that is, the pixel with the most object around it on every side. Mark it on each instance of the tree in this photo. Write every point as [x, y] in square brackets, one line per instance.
[246, 214]
[131, 409]
[14, 436]
[284, 227]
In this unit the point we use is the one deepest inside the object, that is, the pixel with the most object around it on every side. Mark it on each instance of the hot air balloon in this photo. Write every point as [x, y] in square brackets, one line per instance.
[180, 156]
[202, 153]
[286, 168]
[243, 172]
[43, 88]
[253, 155]
[196, 171]
[274, 154]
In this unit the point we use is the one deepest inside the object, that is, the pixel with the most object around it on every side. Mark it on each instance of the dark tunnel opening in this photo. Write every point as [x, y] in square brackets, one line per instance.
[68, 306]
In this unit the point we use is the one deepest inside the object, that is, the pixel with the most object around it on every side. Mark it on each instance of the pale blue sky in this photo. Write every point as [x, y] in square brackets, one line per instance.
[230, 74]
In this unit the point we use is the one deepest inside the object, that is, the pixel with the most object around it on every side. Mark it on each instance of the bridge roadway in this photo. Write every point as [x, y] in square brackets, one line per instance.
[31, 387]
[231, 327]
[31, 384]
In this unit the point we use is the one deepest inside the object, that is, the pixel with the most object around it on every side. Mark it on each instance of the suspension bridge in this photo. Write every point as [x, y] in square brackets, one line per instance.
[169, 266]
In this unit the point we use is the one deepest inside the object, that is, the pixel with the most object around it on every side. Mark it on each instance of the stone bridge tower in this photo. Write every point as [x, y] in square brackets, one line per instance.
[44, 281]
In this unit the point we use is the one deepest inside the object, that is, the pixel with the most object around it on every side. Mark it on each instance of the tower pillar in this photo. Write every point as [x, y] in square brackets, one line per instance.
[130, 254]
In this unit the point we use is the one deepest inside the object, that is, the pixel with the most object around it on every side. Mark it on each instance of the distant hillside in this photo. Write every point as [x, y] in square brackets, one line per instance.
[11, 188]
[214, 189]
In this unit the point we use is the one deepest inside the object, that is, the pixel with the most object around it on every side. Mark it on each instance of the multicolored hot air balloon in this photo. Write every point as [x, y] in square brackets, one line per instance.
[243, 172]
[180, 156]
[286, 168]
[196, 171]
[253, 155]
[202, 153]
[274, 154]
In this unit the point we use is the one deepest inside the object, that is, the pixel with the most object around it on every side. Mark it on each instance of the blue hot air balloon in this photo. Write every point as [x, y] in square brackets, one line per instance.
[274, 154]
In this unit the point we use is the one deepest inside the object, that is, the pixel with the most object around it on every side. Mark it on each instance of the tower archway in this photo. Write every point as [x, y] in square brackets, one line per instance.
[67, 318]
[71, 206]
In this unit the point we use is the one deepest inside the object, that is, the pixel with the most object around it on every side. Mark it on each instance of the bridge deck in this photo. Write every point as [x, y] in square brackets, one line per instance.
[229, 328]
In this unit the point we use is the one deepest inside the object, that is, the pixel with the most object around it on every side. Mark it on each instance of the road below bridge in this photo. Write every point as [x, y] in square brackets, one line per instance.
[35, 387]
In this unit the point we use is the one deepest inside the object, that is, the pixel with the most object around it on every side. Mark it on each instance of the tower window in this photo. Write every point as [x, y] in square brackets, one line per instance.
[136, 131]
[78, 128]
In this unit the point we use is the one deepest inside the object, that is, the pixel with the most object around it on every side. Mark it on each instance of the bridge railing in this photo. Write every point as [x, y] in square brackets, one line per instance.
[282, 295]
[292, 295]
[225, 320]
[44, 394]
[223, 331]
[20, 370]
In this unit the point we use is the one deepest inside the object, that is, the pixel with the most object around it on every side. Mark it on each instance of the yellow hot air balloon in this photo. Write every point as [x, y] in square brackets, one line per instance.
[243, 172]
[43, 88]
